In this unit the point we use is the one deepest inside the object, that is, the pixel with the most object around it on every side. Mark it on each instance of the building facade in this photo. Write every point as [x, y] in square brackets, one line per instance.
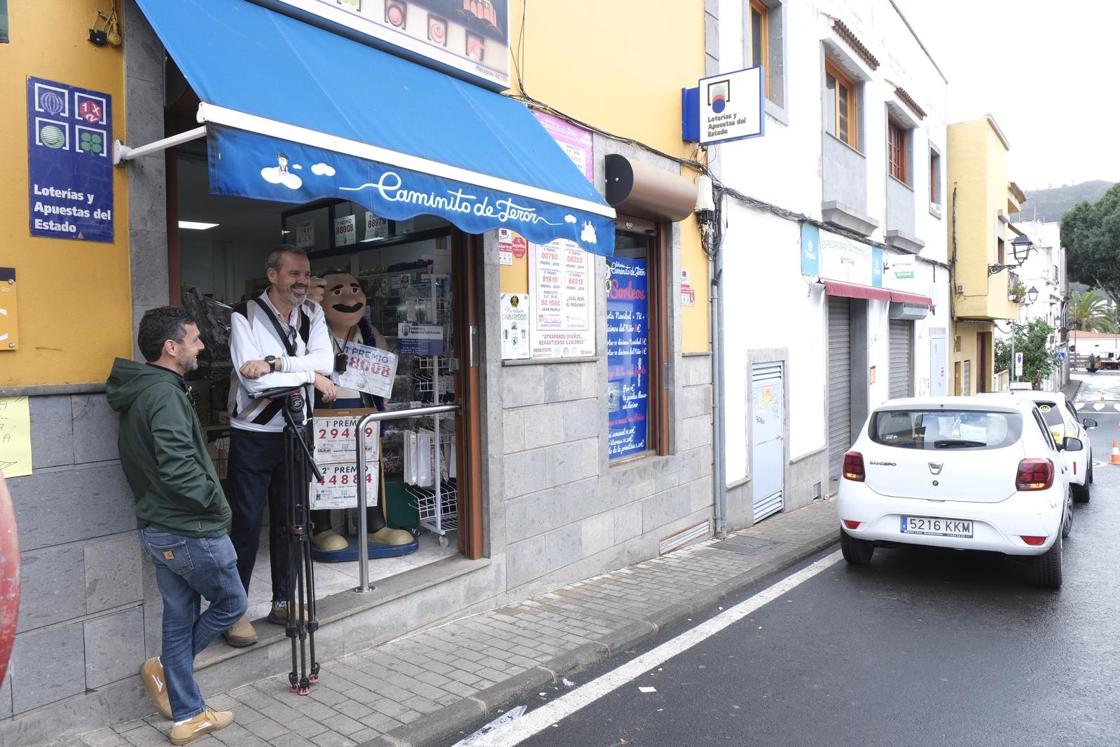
[835, 270]
[588, 451]
[987, 287]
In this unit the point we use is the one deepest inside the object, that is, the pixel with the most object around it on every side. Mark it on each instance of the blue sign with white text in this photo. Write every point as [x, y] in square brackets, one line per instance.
[810, 250]
[247, 164]
[69, 161]
[627, 358]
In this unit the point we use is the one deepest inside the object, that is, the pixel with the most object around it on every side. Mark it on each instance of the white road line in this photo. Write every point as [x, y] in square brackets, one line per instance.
[564, 706]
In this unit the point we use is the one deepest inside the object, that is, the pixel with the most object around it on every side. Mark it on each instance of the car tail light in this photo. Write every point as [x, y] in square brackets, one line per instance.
[1034, 474]
[849, 524]
[1032, 540]
[853, 466]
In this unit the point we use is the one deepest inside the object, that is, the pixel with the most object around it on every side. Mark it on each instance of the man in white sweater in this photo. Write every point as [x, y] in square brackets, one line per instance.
[279, 339]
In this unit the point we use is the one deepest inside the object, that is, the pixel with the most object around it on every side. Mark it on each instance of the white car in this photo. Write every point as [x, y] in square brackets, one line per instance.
[970, 473]
[1064, 421]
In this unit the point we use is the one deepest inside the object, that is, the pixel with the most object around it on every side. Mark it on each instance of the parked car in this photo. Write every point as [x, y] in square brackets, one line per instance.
[969, 473]
[1064, 420]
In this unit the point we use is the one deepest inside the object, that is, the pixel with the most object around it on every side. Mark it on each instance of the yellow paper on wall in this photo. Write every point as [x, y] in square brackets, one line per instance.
[15, 436]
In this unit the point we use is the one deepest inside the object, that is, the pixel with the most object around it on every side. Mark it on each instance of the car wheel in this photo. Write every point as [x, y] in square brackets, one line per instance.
[1081, 492]
[856, 551]
[1048, 567]
[1067, 523]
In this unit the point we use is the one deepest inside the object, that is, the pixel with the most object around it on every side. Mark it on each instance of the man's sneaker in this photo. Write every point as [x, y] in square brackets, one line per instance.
[151, 673]
[242, 633]
[279, 613]
[204, 723]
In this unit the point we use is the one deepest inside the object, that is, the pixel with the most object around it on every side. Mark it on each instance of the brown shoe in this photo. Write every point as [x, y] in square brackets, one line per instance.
[242, 633]
[204, 723]
[151, 674]
[279, 614]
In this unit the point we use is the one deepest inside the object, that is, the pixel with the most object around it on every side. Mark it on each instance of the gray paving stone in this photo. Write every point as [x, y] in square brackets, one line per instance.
[380, 723]
[331, 739]
[266, 729]
[103, 738]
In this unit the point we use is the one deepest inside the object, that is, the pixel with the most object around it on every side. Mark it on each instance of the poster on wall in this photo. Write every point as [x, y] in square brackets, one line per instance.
[572, 139]
[562, 322]
[515, 326]
[627, 358]
[69, 161]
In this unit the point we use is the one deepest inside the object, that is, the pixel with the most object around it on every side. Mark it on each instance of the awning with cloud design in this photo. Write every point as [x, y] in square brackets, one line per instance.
[295, 113]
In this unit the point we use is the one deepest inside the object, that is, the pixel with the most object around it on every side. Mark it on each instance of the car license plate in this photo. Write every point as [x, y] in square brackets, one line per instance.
[936, 527]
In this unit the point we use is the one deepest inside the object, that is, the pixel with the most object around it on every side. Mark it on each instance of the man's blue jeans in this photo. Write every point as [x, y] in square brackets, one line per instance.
[188, 569]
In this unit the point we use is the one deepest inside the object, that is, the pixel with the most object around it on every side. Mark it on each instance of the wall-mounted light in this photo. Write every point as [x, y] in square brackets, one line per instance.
[1021, 247]
[1032, 295]
[106, 29]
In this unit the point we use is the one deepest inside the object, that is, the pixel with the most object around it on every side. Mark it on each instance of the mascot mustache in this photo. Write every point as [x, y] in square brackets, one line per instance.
[348, 309]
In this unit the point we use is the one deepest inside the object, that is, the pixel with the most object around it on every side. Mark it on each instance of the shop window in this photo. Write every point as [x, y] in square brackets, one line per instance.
[637, 337]
[841, 118]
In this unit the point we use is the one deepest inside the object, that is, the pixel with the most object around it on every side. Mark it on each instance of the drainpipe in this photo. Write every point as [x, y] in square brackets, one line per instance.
[711, 234]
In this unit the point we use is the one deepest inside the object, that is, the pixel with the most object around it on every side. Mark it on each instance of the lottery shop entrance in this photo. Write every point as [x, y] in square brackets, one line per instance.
[414, 283]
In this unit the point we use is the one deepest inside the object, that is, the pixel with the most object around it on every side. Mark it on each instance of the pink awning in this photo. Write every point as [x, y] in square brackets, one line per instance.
[914, 298]
[854, 290]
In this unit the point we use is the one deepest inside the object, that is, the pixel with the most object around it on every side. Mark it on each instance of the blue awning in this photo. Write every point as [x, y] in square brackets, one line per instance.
[295, 113]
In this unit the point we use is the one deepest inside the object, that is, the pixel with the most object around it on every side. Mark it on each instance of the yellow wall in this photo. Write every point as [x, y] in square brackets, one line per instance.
[978, 171]
[967, 332]
[619, 66]
[75, 308]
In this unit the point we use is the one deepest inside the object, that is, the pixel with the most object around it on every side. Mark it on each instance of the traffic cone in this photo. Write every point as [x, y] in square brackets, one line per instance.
[1115, 452]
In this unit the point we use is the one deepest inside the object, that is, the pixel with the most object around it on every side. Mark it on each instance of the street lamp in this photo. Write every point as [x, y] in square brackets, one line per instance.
[1020, 249]
[1032, 295]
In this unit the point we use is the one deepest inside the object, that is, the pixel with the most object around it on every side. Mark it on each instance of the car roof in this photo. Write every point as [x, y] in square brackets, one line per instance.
[981, 404]
[1033, 395]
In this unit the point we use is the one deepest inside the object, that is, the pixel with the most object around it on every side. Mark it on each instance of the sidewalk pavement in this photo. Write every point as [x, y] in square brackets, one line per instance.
[429, 685]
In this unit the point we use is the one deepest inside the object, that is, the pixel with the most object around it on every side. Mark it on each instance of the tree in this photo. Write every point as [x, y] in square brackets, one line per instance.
[1091, 311]
[1091, 236]
[1032, 340]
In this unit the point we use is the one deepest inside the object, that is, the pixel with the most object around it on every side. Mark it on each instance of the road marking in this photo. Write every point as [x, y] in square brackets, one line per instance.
[517, 731]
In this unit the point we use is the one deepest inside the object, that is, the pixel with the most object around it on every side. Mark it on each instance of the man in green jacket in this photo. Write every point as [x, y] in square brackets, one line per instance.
[183, 515]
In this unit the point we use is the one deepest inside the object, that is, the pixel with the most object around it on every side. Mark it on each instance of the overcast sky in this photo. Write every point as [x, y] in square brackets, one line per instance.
[1045, 70]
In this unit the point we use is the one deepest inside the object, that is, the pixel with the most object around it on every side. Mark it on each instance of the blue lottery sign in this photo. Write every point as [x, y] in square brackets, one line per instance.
[627, 358]
[70, 164]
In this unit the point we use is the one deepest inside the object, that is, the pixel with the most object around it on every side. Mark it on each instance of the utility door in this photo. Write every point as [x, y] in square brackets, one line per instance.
[938, 381]
[839, 383]
[768, 445]
[901, 350]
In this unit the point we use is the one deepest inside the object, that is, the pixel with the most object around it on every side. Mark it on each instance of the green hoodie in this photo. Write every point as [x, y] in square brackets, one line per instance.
[163, 452]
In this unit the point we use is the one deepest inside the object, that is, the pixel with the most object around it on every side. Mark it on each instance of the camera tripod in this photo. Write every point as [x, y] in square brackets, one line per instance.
[298, 460]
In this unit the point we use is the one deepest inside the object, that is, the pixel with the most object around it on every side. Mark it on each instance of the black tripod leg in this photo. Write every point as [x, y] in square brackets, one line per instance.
[290, 626]
[312, 616]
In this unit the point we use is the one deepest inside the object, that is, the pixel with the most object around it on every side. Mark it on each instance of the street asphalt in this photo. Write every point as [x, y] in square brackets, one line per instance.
[923, 647]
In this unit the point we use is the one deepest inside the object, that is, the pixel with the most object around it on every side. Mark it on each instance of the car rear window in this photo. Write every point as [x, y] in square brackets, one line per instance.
[945, 429]
[1051, 413]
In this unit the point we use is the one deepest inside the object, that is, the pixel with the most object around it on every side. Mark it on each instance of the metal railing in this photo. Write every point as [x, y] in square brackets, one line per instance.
[363, 538]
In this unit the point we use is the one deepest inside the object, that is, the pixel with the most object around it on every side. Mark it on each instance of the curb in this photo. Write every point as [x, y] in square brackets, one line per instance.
[446, 722]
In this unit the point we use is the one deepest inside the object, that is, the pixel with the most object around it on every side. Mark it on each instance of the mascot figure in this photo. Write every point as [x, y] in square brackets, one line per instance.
[344, 305]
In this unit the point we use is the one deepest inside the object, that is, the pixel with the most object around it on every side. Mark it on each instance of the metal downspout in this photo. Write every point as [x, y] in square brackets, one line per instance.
[715, 303]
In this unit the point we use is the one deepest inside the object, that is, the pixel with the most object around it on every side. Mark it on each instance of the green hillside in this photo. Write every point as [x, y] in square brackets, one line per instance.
[1051, 204]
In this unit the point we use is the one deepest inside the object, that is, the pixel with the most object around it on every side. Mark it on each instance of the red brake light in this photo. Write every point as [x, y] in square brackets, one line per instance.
[853, 466]
[1034, 474]
[1032, 540]
[851, 524]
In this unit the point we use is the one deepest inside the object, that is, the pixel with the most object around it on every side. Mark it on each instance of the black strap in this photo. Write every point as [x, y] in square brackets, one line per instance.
[288, 344]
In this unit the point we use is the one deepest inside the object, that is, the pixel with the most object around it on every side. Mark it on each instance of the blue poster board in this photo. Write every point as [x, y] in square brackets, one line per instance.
[627, 358]
[69, 160]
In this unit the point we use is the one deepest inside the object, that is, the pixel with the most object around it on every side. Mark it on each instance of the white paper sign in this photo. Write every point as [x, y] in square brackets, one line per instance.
[368, 369]
[335, 436]
[345, 230]
[376, 227]
[563, 315]
[339, 488]
[305, 235]
[515, 326]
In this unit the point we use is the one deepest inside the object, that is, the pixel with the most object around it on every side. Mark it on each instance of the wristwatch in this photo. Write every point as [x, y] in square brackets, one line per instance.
[271, 361]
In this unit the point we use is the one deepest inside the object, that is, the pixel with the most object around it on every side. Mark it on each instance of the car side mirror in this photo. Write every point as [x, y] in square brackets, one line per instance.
[1072, 444]
[1089, 423]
